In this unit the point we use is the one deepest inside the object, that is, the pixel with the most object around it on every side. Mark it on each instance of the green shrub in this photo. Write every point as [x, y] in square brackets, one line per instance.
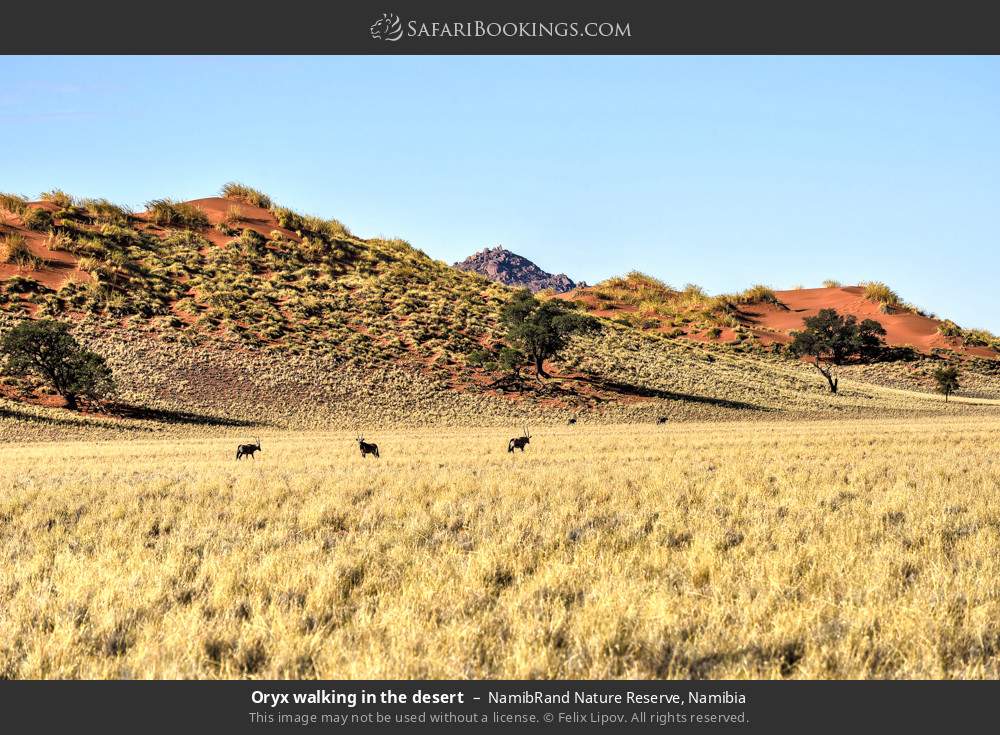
[22, 285]
[479, 357]
[13, 203]
[37, 219]
[949, 329]
[168, 213]
[880, 293]
[252, 241]
[227, 229]
[234, 214]
[14, 250]
[58, 197]
[288, 219]
[247, 195]
[758, 294]
[104, 212]
[980, 338]
[59, 241]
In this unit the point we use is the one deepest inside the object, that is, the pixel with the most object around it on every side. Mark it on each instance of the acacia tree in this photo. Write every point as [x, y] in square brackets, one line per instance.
[541, 329]
[47, 349]
[947, 380]
[832, 339]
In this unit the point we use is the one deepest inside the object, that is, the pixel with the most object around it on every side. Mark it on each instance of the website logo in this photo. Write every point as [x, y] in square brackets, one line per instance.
[387, 28]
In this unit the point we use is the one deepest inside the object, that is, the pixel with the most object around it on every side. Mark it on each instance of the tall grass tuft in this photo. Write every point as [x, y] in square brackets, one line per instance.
[37, 219]
[168, 213]
[758, 294]
[948, 328]
[13, 203]
[247, 195]
[58, 197]
[880, 293]
[15, 251]
[981, 338]
[104, 212]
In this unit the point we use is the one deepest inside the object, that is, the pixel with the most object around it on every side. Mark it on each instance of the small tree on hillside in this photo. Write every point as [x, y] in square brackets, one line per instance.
[831, 339]
[47, 349]
[511, 361]
[541, 329]
[947, 380]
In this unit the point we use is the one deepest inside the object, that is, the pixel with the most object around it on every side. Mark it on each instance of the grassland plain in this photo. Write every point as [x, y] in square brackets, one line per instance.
[820, 549]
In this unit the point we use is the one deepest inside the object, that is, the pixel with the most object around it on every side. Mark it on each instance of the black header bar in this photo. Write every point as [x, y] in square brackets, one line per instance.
[512, 27]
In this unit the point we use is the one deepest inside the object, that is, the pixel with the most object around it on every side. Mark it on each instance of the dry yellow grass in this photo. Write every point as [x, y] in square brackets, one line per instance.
[810, 549]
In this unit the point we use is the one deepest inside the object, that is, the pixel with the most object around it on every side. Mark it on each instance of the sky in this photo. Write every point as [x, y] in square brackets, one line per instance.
[719, 171]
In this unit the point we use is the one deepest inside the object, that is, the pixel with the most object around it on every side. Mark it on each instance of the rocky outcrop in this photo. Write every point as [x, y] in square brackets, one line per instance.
[501, 265]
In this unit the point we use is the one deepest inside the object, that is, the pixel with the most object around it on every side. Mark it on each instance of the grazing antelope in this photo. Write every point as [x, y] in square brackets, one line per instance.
[661, 420]
[248, 450]
[571, 421]
[367, 448]
[519, 442]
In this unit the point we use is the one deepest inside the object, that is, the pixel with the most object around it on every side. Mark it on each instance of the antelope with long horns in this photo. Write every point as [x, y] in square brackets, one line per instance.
[248, 450]
[519, 442]
[367, 448]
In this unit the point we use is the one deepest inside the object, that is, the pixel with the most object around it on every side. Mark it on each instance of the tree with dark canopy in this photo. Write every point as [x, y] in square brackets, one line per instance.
[47, 349]
[832, 339]
[947, 380]
[541, 329]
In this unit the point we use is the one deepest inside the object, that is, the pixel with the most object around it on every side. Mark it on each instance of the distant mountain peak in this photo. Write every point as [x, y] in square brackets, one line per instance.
[503, 266]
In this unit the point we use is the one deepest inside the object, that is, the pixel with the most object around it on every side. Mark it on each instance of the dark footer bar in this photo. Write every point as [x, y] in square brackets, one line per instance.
[551, 706]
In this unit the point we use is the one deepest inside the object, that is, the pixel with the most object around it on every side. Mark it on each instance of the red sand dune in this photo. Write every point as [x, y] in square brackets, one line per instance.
[772, 323]
[251, 218]
[61, 267]
[902, 328]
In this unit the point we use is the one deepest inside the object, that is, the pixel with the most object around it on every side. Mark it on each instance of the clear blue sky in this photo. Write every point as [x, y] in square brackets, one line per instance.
[719, 171]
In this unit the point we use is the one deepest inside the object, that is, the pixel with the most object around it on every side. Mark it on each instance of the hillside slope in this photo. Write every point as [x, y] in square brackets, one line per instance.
[766, 317]
[231, 312]
[903, 327]
[224, 270]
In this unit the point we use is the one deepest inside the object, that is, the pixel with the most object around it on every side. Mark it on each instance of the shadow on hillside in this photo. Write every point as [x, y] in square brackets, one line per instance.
[645, 392]
[81, 421]
[165, 416]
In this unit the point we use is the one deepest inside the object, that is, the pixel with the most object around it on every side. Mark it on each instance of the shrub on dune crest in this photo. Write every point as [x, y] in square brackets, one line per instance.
[105, 212]
[327, 227]
[758, 294]
[880, 293]
[980, 338]
[831, 283]
[58, 197]
[247, 195]
[288, 219]
[13, 203]
[168, 213]
[948, 328]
